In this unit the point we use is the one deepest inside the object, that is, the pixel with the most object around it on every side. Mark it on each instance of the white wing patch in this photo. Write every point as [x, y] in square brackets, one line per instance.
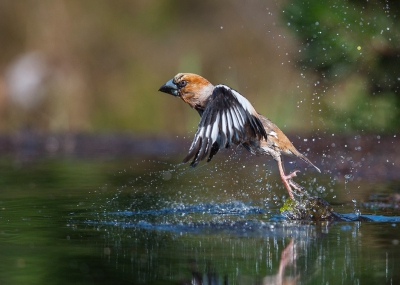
[224, 123]
[234, 118]
[215, 129]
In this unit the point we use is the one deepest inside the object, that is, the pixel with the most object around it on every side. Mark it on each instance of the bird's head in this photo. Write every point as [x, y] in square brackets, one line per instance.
[190, 87]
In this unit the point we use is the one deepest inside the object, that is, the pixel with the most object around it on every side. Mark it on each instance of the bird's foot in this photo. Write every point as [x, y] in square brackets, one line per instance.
[289, 183]
[291, 174]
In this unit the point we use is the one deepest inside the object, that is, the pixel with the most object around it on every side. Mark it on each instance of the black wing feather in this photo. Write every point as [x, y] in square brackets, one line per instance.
[227, 119]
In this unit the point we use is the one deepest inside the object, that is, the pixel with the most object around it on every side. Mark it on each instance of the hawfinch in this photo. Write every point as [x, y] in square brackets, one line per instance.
[228, 118]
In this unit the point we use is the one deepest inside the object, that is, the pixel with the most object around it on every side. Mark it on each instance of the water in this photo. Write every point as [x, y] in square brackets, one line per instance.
[154, 221]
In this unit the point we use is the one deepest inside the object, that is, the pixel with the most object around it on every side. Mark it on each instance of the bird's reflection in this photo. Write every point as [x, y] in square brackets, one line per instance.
[288, 259]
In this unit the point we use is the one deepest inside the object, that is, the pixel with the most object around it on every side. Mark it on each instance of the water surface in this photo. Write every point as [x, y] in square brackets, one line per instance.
[155, 221]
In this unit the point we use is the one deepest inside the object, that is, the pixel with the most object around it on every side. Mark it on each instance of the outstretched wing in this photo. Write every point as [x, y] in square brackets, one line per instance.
[228, 119]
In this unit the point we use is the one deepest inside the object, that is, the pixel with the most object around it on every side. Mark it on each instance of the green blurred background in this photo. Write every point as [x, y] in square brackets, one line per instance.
[96, 66]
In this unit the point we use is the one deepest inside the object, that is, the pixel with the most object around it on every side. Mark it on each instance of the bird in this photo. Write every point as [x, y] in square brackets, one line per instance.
[229, 119]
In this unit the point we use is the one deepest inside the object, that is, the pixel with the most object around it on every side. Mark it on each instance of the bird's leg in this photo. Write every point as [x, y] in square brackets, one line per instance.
[287, 179]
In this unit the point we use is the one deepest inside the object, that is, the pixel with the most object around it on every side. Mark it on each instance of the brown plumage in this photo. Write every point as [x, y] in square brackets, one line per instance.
[228, 118]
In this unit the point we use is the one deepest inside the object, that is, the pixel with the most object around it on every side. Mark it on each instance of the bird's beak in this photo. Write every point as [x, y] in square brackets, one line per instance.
[170, 88]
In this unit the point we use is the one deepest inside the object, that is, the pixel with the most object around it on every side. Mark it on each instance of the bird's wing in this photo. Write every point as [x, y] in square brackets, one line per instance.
[229, 118]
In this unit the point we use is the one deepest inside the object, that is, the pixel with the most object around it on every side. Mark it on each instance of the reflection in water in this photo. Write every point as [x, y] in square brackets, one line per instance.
[210, 277]
[344, 253]
[288, 258]
[223, 252]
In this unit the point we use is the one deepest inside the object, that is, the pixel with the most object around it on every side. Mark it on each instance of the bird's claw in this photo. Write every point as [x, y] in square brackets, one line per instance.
[289, 183]
[291, 175]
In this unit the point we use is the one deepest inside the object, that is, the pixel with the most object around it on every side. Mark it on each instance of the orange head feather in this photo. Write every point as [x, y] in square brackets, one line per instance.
[193, 89]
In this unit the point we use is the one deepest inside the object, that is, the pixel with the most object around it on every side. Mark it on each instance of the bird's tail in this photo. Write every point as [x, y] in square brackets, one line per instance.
[305, 159]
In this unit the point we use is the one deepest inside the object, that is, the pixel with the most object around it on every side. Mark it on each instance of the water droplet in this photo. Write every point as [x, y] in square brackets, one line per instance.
[348, 176]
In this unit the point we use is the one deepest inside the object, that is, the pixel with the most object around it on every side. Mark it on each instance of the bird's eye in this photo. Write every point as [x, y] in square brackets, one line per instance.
[182, 83]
